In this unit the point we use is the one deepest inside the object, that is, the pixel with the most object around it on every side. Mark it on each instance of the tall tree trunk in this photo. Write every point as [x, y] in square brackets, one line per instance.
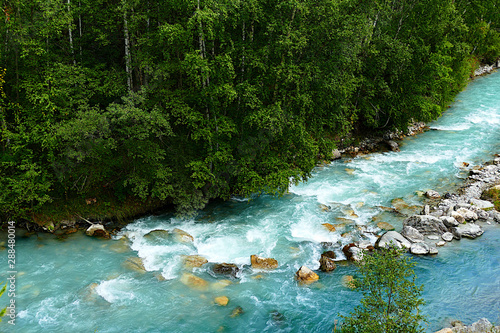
[128, 67]
[71, 35]
[80, 26]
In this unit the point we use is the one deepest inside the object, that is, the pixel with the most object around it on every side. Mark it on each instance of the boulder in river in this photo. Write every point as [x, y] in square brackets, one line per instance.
[182, 236]
[447, 236]
[226, 269]
[353, 252]
[221, 300]
[426, 224]
[97, 230]
[329, 227]
[306, 275]
[431, 194]
[449, 221]
[419, 248]
[263, 263]
[135, 264]
[392, 238]
[468, 230]
[326, 262]
[157, 235]
[192, 261]
[412, 234]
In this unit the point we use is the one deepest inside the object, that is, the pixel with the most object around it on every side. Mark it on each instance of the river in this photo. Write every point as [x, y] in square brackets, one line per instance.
[81, 284]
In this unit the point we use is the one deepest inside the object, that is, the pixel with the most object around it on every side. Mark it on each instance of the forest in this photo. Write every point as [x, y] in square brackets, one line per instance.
[117, 106]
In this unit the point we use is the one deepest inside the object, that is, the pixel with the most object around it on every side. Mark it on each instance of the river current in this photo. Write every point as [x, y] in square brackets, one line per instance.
[82, 284]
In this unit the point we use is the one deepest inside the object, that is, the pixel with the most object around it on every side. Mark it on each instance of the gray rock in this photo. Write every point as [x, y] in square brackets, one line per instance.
[468, 230]
[468, 214]
[336, 154]
[457, 216]
[393, 145]
[481, 204]
[412, 234]
[449, 221]
[426, 224]
[433, 237]
[441, 243]
[393, 238]
[431, 194]
[433, 250]
[494, 215]
[419, 248]
[447, 236]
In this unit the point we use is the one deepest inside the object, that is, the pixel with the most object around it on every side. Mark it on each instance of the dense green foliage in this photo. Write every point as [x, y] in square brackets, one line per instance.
[391, 297]
[183, 101]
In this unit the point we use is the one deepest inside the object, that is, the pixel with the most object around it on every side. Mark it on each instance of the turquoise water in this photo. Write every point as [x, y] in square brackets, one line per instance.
[82, 285]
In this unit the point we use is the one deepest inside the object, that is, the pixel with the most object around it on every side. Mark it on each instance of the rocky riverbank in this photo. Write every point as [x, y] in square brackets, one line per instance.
[444, 219]
[481, 326]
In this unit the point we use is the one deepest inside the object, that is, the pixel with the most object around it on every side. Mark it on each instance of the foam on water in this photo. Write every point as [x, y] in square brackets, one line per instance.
[116, 290]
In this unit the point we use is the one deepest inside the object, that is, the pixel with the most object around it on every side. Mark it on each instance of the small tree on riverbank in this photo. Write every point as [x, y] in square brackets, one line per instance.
[391, 298]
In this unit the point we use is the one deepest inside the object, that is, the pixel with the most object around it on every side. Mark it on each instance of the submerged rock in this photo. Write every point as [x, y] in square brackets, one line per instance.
[194, 282]
[263, 263]
[348, 281]
[236, 312]
[306, 275]
[135, 264]
[385, 226]
[221, 300]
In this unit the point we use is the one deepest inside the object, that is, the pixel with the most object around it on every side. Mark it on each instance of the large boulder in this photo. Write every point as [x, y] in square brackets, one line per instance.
[449, 221]
[263, 263]
[353, 252]
[326, 262]
[392, 238]
[412, 234]
[226, 269]
[193, 261]
[468, 214]
[481, 204]
[447, 236]
[468, 230]
[182, 236]
[97, 230]
[157, 236]
[419, 248]
[426, 224]
[306, 275]
[458, 217]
